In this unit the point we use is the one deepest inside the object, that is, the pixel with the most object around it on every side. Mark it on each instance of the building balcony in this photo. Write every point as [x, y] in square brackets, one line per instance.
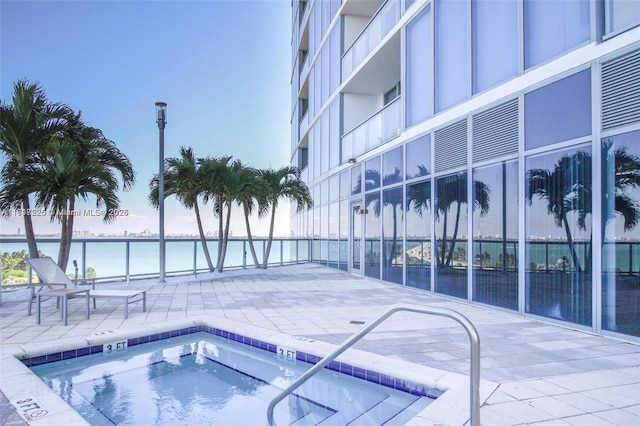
[383, 126]
[383, 21]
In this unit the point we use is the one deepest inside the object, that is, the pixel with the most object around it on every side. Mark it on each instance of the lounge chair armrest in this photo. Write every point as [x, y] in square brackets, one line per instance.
[86, 281]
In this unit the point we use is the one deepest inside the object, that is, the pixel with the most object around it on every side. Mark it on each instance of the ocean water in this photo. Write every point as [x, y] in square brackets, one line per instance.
[108, 258]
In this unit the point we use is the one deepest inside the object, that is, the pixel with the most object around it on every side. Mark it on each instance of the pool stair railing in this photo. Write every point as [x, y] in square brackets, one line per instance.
[474, 339]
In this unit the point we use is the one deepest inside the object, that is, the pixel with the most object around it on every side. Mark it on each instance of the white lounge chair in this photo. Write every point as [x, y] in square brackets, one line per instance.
[51, 275]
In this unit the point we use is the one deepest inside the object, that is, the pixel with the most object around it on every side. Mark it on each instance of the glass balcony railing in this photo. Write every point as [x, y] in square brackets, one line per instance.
[378, 129]
[124, 259]
[304, 124]
[374, 32]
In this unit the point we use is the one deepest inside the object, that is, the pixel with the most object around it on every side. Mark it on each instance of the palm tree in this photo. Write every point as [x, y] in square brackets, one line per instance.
[252, 196]
[183, 179]
[25, 127]
[621, 171]
[566, 188]
[214, 172]
[284, 183]
[395, 200]
[453, 189]
[62, 179]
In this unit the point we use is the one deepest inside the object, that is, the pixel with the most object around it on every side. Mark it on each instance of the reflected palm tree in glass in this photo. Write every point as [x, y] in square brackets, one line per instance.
[451, 193]
[620, 175]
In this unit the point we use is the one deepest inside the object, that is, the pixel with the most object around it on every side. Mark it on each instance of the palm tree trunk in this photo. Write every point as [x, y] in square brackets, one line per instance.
[442, 255]
[572, 248]
[455, 235]
[392, 253]
[266, 254]
[225, 239]
[220, 229]
[66, 235]
[250, 238]
[28, 228]
[203, 240]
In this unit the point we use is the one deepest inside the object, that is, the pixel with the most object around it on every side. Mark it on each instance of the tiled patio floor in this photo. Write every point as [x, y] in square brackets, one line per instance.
[548, 375]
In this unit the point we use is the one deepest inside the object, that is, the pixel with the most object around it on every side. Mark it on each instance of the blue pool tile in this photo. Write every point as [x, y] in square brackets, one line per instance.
[346, 369]
[175, 333]
[359, 373]
[313, 359]
[373, 376]
[403, 386]
[38, 360]
[133, 341]
[387, 381]
[272, 348]
[96, 349]
[301, 356]
[83, 351]
[57, 356]
[334, 365]
[194, 329]
[69, 354]
[154, 337]
[165, 335]
[143, 339]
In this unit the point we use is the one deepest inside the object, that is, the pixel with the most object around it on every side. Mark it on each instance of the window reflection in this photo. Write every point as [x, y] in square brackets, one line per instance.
[392, 166]
[418, 251]
[558, 229]
[418, 157]
[559, 111]
[372, 174]
[392, 234]
[451, 234]
[621, 233]
[356, 185]
[372, 235]
[495, 236]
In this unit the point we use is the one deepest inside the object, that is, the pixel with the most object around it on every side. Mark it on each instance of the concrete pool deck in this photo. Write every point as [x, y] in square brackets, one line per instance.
[547, 374]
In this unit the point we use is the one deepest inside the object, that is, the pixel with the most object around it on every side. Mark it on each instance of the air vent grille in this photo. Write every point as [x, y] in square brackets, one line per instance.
[450, 144]
[621, 91]
[495, 132]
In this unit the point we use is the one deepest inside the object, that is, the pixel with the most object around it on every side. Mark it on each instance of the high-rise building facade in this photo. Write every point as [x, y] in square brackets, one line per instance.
[486, 150]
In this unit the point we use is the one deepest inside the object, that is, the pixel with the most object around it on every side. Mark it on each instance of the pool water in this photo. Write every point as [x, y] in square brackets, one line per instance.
[205, 379]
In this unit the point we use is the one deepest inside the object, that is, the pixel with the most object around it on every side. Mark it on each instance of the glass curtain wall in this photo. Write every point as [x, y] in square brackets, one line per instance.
[451, 47]
[418, 253]
[451, 229]
[419, 68]
[372, 255]
[495, 235]
[494, 42]
[553, 27]
[621, 233]
[343, 239]
[558, 234]
[334, 230]
[392, 234]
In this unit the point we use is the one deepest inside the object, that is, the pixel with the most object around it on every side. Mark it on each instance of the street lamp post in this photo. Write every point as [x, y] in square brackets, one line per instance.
[161, 114]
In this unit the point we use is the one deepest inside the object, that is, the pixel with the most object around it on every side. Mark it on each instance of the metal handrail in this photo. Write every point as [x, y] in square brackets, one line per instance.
[474, 339]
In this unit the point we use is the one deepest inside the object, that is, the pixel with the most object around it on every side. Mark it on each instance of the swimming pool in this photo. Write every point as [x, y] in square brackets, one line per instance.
[201, 378]
[35, 400]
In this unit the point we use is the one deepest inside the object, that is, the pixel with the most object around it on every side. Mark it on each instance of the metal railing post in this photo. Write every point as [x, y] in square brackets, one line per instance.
[127, 263]
[84, 259]
[474, 340]
[195, 257]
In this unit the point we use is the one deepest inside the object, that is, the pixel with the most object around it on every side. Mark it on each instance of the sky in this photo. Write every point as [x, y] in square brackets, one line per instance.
[222, 67]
